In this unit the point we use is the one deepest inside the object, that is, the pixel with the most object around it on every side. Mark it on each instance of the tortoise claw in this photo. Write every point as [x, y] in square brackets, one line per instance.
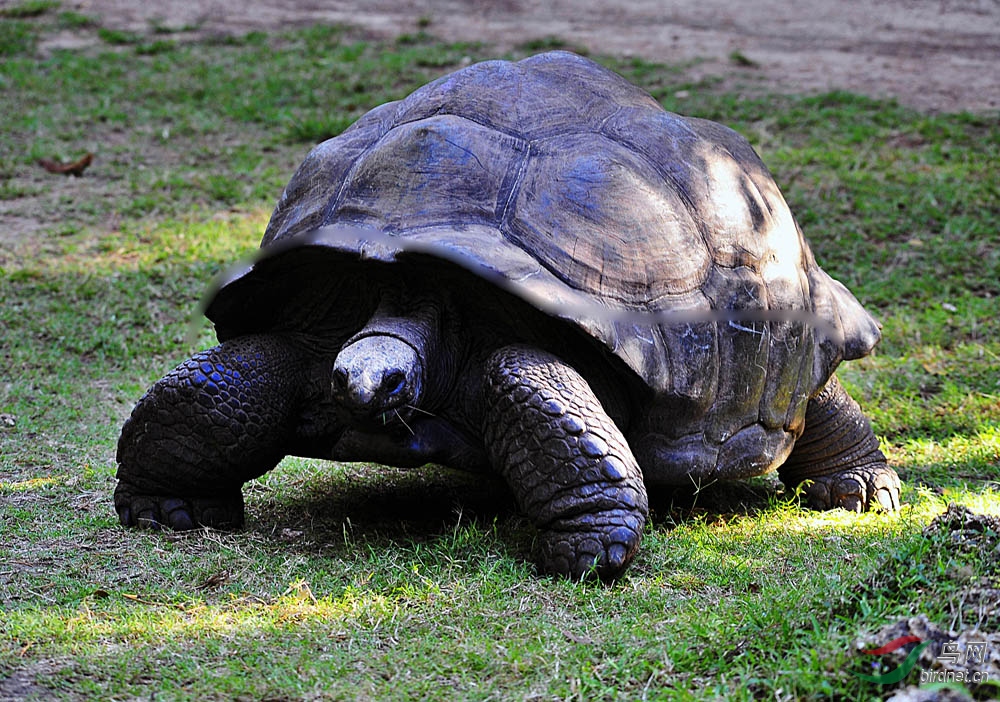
[605, 551]
[854, 489]
[177, 513]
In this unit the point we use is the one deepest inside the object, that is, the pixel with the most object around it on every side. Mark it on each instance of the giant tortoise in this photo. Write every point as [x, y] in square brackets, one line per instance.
[529, 268]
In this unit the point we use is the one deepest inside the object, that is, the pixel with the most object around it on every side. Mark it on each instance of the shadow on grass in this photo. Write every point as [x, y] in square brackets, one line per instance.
[372, 504]
[369, 504]
[718, 500]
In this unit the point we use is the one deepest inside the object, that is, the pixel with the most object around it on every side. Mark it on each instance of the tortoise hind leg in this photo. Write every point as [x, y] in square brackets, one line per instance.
[837, 460]
[219, 419]
[567, 463]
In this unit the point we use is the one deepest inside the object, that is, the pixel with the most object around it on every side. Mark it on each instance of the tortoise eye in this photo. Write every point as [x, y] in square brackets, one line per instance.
[394, 382]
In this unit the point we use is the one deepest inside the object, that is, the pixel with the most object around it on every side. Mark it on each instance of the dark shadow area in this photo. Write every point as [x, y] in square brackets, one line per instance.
[378, 504]
[719, 500]
[373, 505]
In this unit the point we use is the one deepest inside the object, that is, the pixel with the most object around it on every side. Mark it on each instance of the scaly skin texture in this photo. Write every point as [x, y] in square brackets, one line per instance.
[837, 459]
[566, 461]
[219, 419]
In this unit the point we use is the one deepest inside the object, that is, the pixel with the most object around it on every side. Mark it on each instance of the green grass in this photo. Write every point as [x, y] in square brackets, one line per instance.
[28, 8]
[359, 581]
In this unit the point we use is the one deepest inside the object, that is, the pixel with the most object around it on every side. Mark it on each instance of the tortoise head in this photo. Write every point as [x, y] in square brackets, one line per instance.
[394, 363]
[376, 374]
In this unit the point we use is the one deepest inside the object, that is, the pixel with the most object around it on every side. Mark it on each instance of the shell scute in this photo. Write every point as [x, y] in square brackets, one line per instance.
[443, 169]
[540, 96]
[304, 202]
[599, 216]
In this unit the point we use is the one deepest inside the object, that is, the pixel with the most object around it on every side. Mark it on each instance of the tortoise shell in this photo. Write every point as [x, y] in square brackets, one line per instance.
[662, 237]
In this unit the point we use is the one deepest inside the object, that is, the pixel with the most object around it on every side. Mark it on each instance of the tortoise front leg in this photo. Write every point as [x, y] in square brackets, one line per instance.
[567, 463]
[219, 419]
[837, 459]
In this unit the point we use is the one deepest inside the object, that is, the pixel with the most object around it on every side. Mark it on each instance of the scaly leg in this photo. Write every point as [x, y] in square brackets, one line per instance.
[837, 459]
[216, 421]
[567, 463]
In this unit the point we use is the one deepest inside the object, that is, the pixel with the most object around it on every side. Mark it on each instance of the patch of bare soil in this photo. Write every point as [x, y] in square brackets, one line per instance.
[936, 55]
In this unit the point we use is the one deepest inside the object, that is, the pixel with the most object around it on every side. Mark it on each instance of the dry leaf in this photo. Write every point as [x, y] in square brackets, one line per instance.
[75, 168]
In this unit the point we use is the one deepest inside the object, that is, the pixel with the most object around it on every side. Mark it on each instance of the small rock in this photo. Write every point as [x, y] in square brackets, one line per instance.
[291, 534]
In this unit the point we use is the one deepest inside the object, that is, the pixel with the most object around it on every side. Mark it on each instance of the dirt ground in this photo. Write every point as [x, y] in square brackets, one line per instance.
[936, 55]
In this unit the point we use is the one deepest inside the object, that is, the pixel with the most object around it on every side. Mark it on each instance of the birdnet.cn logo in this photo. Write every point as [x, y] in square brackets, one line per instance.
[951, 654]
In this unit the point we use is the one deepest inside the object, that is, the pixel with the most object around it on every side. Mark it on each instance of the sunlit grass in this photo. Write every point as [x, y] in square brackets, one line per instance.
[139, 246]
[981, 449]
[28, 485]
[348, 597]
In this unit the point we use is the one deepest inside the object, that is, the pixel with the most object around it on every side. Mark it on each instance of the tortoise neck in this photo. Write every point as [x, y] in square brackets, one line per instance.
[418, 321]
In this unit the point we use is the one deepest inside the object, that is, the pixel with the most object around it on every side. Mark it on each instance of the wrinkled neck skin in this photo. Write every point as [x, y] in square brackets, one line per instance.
[419, 322]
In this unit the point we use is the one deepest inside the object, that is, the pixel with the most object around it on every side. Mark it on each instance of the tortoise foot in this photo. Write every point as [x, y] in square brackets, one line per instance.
[837, 461]
[590, 546]
[854, 489]
[178, 513]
